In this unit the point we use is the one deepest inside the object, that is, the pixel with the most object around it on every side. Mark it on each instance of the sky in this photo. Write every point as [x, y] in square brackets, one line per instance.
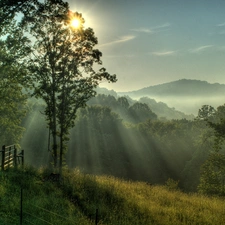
[150, 42]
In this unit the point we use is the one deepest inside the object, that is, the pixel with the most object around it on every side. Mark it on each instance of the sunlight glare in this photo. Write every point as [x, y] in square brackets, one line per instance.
[75, 23]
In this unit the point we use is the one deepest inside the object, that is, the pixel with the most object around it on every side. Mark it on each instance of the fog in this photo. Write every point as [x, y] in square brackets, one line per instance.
[106, 140]
[190, 104]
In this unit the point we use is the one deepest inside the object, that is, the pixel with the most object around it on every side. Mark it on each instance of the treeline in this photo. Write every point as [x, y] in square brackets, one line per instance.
[124, 138]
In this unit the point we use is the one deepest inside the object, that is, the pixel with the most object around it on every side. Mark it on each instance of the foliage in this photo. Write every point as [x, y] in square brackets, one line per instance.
[141, 112]
[103, 143]
[172, 185]
[9, 9]
[212, 172]
[212, 180]
[134, 112]
[214, 118]
[12, 84]
[61, 67]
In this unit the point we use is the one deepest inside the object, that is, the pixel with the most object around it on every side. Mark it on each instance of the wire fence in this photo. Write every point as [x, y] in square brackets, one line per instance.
[37, 218]
[46, 211]
[35, 214]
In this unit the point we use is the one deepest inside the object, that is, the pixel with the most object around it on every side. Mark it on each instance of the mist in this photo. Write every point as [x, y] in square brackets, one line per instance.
[190, 104]
[110, 138]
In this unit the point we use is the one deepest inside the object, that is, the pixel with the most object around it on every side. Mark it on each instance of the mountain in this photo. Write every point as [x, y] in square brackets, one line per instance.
[182, 87]
[185, 95]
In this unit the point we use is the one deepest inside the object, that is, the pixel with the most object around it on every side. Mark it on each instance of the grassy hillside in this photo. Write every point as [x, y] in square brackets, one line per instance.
[76, 199]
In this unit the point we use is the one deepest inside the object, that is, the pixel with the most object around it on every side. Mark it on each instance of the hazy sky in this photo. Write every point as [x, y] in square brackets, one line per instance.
[149, 42]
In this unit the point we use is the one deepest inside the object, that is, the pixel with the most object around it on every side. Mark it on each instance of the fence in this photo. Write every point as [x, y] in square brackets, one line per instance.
[10, 157]
[34, 214]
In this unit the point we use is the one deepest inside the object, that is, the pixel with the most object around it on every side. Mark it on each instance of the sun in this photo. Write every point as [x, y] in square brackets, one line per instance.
[75, 23]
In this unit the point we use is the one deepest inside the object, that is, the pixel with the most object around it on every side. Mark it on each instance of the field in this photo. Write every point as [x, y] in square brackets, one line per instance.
[86, 199]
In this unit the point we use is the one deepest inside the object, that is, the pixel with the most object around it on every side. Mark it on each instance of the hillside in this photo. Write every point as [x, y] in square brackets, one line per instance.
[184, 87]
[185, 95]
[161, 109]
[85, 200]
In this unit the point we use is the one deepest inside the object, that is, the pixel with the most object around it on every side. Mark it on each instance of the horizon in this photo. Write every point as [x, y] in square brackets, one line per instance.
[161, 84]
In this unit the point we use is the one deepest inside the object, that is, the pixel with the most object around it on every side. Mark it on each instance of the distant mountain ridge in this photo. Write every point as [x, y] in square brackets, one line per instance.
[159, 108]
[183, 87]
[185, 95]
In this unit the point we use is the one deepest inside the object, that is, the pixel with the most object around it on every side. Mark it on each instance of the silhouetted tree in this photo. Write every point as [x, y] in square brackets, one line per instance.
[62, 67]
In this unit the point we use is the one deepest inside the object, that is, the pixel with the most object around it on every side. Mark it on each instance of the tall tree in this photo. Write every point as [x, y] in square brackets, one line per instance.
[12, 82]
[62, 67]
[212, 171]
[212, 180]
[10, 8]
[215, 118]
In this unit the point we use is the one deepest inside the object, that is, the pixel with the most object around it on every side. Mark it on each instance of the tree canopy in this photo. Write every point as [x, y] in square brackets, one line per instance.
[61, 66]
[12, 83]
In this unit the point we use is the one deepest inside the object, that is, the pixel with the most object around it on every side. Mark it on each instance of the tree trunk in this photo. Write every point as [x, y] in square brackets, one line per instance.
[62, 125]
[61, 151]
[54, 128]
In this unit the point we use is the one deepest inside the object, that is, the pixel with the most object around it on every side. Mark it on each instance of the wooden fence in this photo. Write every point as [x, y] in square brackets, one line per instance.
[10, 157]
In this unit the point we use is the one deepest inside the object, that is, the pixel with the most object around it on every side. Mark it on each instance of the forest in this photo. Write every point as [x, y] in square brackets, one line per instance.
[124, 138]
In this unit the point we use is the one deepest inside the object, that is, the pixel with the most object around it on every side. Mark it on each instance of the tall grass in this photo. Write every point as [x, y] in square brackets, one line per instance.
[43, 202]
[121, 202]
[125, 202]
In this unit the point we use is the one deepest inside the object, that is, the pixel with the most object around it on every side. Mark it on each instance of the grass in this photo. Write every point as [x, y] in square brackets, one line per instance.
[121, 202]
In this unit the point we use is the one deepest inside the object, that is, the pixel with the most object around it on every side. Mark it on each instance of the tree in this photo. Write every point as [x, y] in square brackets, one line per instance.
[212, 175]
[216, 120]
[9, 9]
[12, 82]
[140, 112]
[123, 102]
[61, 67]
[212, 180]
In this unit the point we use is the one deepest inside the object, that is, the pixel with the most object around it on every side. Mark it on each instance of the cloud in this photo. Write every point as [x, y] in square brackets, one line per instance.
[164, 53]
[162, 26]
[144, 30]
[121, 56]
[221, 25]
[200, 49]
[153, 29]
[119, 40]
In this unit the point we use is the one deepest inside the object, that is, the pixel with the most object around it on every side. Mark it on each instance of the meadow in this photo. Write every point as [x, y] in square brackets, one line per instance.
[87, 199]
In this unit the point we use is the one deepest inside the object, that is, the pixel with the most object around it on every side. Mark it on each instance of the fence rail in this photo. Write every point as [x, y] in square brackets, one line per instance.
[10, 157]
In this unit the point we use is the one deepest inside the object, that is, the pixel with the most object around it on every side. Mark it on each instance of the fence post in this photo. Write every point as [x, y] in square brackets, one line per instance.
[22, 153]
[3, 158]
[9, 156]
[21, 206]
[96, 217]
[15, 156]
